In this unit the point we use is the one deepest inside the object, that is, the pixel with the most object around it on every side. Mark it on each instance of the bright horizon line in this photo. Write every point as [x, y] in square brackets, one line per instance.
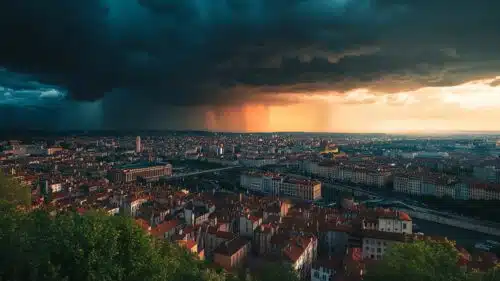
[395, 132]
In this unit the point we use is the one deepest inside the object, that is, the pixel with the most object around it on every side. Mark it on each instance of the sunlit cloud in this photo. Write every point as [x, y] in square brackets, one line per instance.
[473, 95]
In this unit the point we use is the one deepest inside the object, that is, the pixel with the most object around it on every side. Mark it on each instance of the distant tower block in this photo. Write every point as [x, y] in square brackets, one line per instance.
[138, 147]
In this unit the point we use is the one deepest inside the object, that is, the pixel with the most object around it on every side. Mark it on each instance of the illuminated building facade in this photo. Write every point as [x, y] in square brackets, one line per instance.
[138, 147]
[129, 173]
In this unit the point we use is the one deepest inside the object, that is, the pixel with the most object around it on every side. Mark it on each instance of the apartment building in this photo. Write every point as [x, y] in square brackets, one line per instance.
[133, 203]
[262, 238]
[258, 161]
[232, 254]
[376, 243]
[386, 220]
[301, 252]
[248, 224]
[431, 184]
[441, 185]
[281, 185]
[298, 188]
[130, 173]
[487, 173]
[395, 221]
[325, 270]
[484, 191]
[366, 175]
[264, 182]
[213, 238]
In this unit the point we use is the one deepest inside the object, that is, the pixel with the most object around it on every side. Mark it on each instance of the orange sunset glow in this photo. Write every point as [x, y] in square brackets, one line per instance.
[471, 106]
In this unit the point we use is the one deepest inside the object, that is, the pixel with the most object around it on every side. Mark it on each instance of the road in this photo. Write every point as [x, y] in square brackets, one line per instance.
[408, 203]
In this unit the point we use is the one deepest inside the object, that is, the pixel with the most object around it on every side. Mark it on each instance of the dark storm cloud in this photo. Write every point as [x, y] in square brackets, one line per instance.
[203, 52]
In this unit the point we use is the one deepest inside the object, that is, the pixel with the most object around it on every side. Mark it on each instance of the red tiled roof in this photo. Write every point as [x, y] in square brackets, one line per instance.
[296, 247]
[143, 224]
[164, 227]
[253, 218]
[225, 235]
[404, 216]
[188, 244]
[231, 247]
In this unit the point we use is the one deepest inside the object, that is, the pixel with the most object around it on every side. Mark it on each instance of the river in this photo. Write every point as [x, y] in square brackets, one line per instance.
[465, 238]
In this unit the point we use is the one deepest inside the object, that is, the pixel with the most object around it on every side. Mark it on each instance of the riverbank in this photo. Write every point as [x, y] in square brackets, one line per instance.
[465, 238]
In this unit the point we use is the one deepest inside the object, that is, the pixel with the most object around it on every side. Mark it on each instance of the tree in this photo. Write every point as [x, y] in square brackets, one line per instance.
[276, 272]
[94, 246]
[14, 191]
[417, 261]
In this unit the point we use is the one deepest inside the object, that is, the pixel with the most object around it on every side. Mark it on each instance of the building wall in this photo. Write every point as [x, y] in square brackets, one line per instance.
[336, 242]
[233, 261]
[395, 225]
[247, 226]
[322, 274]
[374, 248]
[129, 175]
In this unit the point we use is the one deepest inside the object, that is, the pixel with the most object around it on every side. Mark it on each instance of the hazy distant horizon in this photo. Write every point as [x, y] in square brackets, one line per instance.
[136, 131]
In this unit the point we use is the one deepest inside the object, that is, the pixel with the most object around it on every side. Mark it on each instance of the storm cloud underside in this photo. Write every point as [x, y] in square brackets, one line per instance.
[133, 54]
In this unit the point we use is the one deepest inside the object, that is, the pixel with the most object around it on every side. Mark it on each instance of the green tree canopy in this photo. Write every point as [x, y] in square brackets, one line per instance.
[418, 261]
[11, 190]
[36, 246]
[277, 272]
[96, 247]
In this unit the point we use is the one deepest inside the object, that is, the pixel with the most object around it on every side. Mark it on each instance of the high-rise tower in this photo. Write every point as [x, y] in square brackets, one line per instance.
[138, 147]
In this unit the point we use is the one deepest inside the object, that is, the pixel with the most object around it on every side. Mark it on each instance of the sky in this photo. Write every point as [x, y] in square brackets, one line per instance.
[251, 65]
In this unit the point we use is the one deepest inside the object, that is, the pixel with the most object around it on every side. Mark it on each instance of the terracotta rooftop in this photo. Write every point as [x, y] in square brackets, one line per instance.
[188, 244]
[231, 247]
[143, 224]
[296, 247]
[164, 227]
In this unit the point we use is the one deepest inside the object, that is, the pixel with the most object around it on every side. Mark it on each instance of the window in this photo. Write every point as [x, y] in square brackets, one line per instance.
[404, 225]
[379, 250]
[316, 274]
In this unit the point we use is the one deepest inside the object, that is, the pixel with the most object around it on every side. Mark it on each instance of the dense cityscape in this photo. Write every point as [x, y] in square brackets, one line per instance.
[328, 206]
[249, 140]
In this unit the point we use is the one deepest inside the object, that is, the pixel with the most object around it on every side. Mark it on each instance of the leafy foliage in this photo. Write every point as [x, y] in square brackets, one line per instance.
[72, 247]
[13, 191]
[92, 247]
[421, 260]
[278, 271]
